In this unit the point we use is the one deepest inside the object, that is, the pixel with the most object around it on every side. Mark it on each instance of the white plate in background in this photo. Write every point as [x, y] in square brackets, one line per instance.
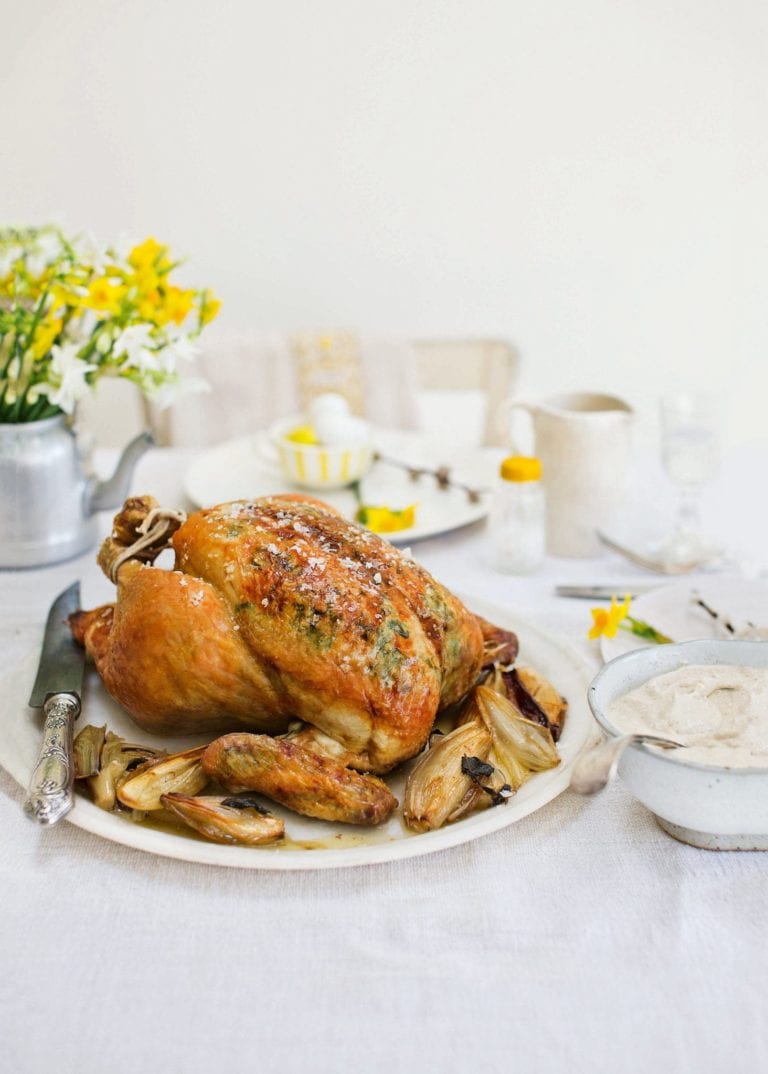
[237, 469]
[671, 610]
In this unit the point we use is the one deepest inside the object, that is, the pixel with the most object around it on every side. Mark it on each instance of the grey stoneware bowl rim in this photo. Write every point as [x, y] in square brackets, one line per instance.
[680, 654]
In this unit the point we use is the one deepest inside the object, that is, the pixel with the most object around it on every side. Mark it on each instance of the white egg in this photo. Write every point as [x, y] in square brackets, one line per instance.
[329, 403]
[331, 419]
[336, 429]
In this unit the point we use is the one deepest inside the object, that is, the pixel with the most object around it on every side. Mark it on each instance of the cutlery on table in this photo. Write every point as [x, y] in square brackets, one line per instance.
[659, 566]
[57, 692]
[595, 768]
[602, 592]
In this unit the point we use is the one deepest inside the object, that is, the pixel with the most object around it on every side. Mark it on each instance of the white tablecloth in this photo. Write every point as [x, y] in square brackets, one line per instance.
[580, 939]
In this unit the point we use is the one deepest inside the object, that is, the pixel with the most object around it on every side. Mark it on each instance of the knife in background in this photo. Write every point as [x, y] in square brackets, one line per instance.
[57, 692]
[603, 592]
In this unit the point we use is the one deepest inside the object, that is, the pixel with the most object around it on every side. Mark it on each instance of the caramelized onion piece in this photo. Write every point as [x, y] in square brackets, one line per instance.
[546, 697]
[437, 788]
[86, 750]
[117, 758]
[517, 742]
[181, 773]
[226, 820]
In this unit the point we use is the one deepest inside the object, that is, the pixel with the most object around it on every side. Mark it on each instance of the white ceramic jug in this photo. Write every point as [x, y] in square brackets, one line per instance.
[584, 442]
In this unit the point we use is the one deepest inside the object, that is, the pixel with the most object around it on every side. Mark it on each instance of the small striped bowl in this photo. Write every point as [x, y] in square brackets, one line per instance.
[317, 466]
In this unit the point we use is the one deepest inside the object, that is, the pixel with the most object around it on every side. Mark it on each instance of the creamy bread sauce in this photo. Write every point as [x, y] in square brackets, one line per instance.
[719, 710]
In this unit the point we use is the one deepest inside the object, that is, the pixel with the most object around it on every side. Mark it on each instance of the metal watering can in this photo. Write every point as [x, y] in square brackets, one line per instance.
[48, 502]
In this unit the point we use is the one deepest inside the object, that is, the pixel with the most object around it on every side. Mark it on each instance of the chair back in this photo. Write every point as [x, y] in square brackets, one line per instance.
[472, 378]
[257, 378]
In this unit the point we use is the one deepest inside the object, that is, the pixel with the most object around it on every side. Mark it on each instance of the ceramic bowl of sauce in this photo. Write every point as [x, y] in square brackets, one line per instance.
[712, 696]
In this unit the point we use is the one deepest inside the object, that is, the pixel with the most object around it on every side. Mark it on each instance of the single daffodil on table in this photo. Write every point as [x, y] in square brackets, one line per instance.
[379, 518]
[607, 621]
[386, 519]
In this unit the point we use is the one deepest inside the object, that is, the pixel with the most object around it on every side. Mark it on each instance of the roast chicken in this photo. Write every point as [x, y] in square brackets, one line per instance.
[276, 610]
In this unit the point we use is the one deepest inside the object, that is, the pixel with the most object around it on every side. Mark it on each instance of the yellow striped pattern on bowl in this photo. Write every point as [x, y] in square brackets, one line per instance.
[318, 466]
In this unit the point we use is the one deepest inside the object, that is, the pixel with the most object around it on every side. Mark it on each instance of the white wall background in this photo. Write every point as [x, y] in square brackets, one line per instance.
[584, 177]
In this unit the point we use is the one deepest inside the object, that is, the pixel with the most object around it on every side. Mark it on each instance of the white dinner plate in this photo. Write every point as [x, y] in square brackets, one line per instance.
[239, 469]
[671, 610]
[311, 844]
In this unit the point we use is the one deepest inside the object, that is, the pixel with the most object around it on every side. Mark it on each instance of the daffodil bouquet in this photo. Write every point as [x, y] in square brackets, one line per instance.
[71, 314]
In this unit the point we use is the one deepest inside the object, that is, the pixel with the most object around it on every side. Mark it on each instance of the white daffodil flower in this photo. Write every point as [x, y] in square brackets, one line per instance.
[180, 349]
[88, 251]
[67, 372]
[186, 350]
[82, 328]
[135, 345]
[47, 250]
[8, 258]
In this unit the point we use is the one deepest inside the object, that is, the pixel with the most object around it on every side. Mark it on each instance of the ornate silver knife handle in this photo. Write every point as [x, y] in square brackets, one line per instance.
[50, 790]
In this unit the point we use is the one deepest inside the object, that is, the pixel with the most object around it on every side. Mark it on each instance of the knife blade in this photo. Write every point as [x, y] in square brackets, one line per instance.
[602, 592]
[57, 691]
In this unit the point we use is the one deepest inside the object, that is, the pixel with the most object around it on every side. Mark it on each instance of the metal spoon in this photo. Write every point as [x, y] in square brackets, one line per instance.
[594, 769]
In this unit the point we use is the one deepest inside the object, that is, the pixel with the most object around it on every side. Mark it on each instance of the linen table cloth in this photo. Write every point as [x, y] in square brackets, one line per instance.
[580, 939]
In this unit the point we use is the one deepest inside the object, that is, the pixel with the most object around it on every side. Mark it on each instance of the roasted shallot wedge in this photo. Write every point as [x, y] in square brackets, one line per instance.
[532, 694]
[547, 697]
[240, 820]
[439, 787]
[117, 759]
[520, 745]
[181, 773]
[86, 750]
[298, 778]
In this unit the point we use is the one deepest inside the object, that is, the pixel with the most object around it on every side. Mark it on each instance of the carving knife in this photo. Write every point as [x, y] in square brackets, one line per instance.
[57, 692]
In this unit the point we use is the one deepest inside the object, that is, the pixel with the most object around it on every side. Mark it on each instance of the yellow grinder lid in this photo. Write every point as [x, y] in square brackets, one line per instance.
[521, 468]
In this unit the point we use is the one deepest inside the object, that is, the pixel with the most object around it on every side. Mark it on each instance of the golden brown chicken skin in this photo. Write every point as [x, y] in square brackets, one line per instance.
[279, 609]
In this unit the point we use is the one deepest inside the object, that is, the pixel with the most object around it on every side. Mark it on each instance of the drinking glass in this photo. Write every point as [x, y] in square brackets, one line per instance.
[690, 452]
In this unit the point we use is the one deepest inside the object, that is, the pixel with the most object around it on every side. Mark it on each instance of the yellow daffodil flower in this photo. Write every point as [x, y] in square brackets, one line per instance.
[104, 296]
[177, 304]
[45, 336]
[605, 621]
[145, 280]
[386, 519]
[149, 254]
[209, 308]
[61, 296]
[150, 305]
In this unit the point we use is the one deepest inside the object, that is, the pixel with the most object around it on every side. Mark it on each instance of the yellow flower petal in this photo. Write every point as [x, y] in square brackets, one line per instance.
[45, 337]
[387, 519]
[210, 308]
[599, 622]
[104, 296]
[149, 255]
[605, 623]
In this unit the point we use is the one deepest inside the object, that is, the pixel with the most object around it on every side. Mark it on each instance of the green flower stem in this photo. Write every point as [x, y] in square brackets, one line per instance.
[644, 630]
[36, 317]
